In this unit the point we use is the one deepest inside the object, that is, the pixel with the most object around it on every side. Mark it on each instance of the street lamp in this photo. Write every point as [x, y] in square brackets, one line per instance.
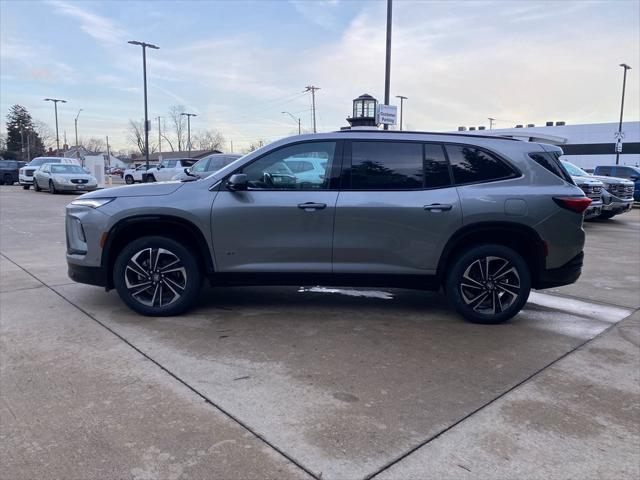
[387, 65]
[55, 106]
[402, 99]
[295, 120]
[624, 84]
[144, 74]
[76, 125]
[189, 115]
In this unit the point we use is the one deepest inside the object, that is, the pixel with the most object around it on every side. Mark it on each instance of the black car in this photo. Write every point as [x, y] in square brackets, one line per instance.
[9, 171]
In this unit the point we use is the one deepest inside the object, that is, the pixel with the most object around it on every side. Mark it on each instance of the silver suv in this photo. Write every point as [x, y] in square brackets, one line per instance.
[484, 218]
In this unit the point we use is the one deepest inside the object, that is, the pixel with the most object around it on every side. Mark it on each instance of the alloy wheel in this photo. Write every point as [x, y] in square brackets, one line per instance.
[490, 285]
[155, 277]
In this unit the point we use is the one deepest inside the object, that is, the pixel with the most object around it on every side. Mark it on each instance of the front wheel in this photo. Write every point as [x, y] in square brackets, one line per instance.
[157, 276]
[128, 179]
[489, 284]
[52, 187]
[36, 187]
[8, 179]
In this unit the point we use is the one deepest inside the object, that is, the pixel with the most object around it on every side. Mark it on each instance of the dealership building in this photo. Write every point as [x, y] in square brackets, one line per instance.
[586, 145]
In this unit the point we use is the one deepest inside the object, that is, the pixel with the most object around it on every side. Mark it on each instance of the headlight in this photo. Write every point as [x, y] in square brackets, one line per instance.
[60, 179]
[92, 202]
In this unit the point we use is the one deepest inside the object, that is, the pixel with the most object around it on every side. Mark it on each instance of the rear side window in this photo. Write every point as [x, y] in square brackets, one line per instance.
[551, 162]
[473, 165]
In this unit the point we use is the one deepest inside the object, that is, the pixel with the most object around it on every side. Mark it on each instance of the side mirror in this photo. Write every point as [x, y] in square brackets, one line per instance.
[237, 182]
[187, 170]
[635, 178]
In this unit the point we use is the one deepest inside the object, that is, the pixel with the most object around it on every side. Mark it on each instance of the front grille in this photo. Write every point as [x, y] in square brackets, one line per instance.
[621, 191]
[29, 173]
[594, 192]
[79, 180]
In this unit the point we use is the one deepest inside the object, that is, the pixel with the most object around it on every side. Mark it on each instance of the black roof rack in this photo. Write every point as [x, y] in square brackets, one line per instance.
[453, 134]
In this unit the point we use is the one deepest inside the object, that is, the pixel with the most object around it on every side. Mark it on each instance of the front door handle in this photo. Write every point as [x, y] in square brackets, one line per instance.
[311, 206]
[438, 207]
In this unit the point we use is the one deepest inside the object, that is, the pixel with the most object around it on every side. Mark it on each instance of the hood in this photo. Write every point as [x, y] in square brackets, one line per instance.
[139, 190]
[613, 180]
[586, 180]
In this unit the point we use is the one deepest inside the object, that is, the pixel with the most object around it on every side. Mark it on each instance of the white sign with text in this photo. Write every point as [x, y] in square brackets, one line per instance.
[387, 114]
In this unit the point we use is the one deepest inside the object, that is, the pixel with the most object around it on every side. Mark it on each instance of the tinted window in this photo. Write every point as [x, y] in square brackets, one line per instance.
[272, 172]
[436, 170]
[471, 165]
[386, 166]
[604, 170]
[550, 161]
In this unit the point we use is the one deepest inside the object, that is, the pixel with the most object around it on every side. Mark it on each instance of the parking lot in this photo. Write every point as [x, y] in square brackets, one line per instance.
[312, 382]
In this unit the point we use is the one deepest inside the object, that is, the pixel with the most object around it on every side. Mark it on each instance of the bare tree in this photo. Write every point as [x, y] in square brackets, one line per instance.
[135, 136]
[179, 125]
[208, 140]
[46, 134]
[254, 146]
[93, 144]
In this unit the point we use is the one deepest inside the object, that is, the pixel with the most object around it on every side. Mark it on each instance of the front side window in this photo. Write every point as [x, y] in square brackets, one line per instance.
[386, 166]
[200, 166]
[272, 171]
[472, 165]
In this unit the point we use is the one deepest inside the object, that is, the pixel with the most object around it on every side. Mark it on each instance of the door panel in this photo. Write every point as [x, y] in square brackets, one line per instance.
[392, 232]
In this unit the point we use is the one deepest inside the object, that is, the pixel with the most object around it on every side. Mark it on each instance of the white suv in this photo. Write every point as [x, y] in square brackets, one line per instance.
[133, 175]
[168, 168]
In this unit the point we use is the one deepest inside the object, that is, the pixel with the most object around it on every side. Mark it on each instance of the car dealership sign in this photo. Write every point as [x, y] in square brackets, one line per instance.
[387, 114]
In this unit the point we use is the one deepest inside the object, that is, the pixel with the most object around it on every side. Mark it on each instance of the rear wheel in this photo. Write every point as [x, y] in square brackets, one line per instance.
[151, 178]
[157, 276]
[489, 284]
[25, 187]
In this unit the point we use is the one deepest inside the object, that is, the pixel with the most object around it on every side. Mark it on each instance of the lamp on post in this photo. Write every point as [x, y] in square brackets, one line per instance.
[76, 127]
[297, 120]
[189, 115]
[402, 99]
[619, 135]
[55, 106]
[147, 127]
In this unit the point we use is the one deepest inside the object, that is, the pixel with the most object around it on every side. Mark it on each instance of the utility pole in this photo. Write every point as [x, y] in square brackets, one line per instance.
[22, 144]
[624, 84]
[491, 120]
[55, 106]
[313, 89]
[159, 136]
[146, 114]
[189, 115]
[297, 120]
[231, 146]
[76, 125]
[402, 99]
[387, 70]
[108, 153]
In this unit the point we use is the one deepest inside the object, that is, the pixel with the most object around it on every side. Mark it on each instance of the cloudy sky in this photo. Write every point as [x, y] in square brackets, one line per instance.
[239, 64]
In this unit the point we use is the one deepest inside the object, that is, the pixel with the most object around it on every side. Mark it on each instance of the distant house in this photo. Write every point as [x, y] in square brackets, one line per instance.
[157, 157]
[82, 153]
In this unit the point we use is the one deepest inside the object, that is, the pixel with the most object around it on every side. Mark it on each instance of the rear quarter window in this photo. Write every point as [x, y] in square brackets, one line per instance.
[551, 162]
[470, 164]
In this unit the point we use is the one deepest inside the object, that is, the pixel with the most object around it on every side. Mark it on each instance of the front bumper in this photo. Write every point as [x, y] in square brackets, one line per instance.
[25, 180]
[618, 206]
[593, 211]
[564, 275]
[89, 275]
[73, 187]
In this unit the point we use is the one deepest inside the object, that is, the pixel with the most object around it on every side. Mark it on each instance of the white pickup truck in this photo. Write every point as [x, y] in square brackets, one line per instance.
[168, 168]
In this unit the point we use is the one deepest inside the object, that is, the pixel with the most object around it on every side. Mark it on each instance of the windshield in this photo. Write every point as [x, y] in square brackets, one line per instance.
[66, 169]
[36, 162]
[573, 170]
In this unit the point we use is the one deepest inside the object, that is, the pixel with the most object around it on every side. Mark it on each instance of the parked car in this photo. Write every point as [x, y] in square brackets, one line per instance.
[25, 175]
[116, 171]
[591, 187]
[167, 169]
[206, 166]
[134, 175]
[622, 171]
[488, 220]
[9, 171]
[56, 177]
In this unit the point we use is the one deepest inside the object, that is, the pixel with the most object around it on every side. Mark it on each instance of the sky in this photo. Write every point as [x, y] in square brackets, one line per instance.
[239, 64]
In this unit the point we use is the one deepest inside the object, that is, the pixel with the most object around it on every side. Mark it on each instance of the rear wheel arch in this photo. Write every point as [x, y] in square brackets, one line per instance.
[522, 239]
[175, 228]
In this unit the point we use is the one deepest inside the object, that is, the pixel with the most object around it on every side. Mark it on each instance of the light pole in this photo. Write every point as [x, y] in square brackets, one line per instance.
[624, 84]
[387, 67]
[55, 106]
[76, 126]
[159, 136]
[189, 115]
[146, 115]
[491, 120]
[312, 89]
[402, 99]
[295, 120]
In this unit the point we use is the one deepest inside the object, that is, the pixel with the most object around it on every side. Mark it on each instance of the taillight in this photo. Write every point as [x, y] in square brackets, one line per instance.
[575, 204]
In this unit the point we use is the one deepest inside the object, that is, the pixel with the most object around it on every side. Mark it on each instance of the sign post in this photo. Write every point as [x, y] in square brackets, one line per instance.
[387, 114]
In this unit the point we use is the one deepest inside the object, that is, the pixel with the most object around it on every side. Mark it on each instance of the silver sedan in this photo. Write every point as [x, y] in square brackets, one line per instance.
[57, 177]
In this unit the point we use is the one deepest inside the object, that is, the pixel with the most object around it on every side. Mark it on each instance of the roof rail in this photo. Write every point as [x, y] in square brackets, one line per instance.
[452, 134]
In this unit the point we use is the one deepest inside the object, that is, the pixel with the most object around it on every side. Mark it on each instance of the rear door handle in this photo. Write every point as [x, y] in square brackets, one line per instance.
[311, 206]
[438, 207]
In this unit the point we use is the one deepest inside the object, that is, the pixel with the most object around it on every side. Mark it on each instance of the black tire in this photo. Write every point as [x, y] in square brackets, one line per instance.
[52, 188]
[128, 180]
[607, 215]
[36, 188]
[478, 295]
[1, 181]
[151, 178]
[25, 187]
[179, 285]
[7, 179]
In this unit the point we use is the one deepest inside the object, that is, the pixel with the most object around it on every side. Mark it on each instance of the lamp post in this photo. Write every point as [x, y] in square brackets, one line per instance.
[55, 106]
[189, 115]
[295, 120]
[387, 69]
[624, 84]
[76, 126]
[402, 99]
[146, 115]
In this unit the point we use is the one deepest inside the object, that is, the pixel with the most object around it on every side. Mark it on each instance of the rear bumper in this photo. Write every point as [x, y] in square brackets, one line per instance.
[89, 275]
[564, 275]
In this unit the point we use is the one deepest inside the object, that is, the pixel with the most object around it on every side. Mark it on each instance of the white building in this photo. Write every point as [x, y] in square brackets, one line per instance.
[586, 145]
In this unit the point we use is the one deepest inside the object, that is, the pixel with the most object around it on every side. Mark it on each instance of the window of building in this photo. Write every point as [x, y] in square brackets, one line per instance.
[472, 165]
